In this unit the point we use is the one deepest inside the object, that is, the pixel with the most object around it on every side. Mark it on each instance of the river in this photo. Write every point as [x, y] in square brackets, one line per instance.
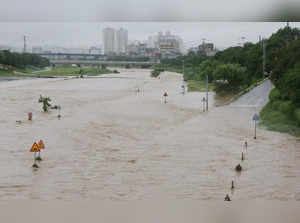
[115, 143]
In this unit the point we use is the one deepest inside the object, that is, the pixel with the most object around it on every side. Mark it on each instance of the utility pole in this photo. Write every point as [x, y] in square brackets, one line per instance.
[183, 67]
[264, 56]
[206, 92]
[183, 71]
[24, 49]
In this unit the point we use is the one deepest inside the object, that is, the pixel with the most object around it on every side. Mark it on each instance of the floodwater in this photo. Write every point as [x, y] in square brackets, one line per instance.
[115, 143]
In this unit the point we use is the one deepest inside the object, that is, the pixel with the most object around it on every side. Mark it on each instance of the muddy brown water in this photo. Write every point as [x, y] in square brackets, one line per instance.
[114, 143]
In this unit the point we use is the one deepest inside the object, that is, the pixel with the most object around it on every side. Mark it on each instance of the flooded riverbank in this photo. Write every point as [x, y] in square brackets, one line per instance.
[118, 140]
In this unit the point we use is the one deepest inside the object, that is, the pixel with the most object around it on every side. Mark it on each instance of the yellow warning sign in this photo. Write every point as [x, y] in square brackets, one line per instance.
[41, 144]
[35, 148]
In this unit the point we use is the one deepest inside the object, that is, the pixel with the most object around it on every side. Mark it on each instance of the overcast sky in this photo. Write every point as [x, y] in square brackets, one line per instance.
[145, 10]
[86, 34]
[78, 23]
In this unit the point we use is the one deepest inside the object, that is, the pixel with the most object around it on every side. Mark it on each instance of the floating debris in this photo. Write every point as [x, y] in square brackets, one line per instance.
[132, 161]
[30, 116]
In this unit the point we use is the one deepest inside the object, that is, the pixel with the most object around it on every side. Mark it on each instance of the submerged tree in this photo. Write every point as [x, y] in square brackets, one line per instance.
[45, 101]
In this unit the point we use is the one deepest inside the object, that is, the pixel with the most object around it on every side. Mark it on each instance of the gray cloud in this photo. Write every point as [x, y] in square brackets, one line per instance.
[148, 10]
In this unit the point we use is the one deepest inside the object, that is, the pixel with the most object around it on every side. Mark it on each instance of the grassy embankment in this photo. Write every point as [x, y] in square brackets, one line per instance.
[281, 115]
[200, 86]
[11, 74]
[193, 85]
[55, 72]
[73, 71]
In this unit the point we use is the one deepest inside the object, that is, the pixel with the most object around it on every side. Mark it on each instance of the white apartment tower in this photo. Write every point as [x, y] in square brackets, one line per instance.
[121, 41]
[109, 41]
[115, 41]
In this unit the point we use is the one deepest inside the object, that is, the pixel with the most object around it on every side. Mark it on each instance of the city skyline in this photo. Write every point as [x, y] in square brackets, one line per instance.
[72, 35]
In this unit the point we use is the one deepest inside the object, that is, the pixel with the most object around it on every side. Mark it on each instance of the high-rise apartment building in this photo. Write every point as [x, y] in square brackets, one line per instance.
[121, 41]
[115, 41]
[168, 45]
[109, 41]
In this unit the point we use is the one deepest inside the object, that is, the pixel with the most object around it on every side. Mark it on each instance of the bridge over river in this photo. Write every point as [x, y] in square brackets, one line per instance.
[101, 62]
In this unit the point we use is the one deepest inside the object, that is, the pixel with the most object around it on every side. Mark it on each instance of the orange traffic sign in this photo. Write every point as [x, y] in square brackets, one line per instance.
[41, 144]
[35, 148]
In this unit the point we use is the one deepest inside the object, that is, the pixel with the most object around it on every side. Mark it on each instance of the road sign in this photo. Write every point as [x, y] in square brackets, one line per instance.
[35, 148]
[41, 144]
[255, 117]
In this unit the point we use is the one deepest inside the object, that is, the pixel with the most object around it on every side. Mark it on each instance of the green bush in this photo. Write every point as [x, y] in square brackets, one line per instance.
[275, 105]
[156, 72]
[276, 120]
[291, 84]
[274, 95]
[297, 115]
[286, 107]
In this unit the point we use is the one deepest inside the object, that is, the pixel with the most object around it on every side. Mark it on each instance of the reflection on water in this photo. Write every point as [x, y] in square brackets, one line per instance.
[116, 144]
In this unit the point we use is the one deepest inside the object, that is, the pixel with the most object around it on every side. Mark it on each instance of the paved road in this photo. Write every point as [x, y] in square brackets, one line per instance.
[257, 97]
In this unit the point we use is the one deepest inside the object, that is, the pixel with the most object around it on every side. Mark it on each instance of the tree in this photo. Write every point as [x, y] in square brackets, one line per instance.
[206, 68]
[290, 86]
[287, 59]
[229, 77]
[21, 60]
[45, 101]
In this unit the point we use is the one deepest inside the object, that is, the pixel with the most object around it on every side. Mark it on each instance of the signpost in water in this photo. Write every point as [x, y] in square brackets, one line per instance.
[34, 148]
[165, 95]
[203, 100]
[41, 146]
[255, 119]
[58, 108]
